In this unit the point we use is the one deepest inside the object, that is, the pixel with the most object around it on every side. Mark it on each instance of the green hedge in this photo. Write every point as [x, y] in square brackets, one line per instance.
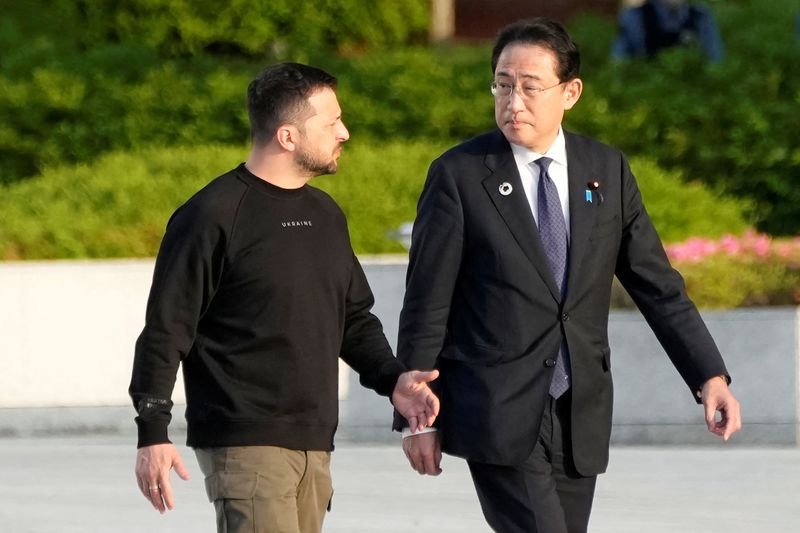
[682, 208]
[75, 108]
[120, 97]
[181, 28]
[178, 27]
[81, 78]
[725, 282]
[428, 93]
[118, 206]
[75, 85]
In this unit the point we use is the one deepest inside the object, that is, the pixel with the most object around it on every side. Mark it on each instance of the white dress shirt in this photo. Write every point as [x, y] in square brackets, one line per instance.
[529, 173]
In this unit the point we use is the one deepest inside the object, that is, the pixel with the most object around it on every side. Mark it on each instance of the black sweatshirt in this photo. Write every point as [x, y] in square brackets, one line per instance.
[256, 292]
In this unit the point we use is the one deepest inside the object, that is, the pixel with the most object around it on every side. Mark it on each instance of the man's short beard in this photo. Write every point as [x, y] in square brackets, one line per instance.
[308, 163]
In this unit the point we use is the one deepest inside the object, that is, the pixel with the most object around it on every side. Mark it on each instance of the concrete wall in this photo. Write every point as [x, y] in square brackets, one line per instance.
[67, 331]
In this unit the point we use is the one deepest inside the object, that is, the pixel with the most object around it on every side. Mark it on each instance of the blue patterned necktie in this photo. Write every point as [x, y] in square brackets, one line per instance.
[553, 232]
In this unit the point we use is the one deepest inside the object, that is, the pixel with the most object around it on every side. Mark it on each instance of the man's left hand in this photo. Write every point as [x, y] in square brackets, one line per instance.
[415, 400]
[716, 396]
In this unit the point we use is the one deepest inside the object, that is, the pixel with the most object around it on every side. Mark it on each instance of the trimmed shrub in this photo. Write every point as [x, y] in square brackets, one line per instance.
[180, 28]
[377, 186]
[740, 271]
[74, 111]
[681, 208]
[418, 93]
[118, 206]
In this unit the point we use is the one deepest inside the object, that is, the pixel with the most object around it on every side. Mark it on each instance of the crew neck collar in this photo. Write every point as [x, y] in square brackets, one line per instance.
[267, 187]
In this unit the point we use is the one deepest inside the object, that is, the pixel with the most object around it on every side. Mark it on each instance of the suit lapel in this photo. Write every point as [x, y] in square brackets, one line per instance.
[581, 212]
[514, 207]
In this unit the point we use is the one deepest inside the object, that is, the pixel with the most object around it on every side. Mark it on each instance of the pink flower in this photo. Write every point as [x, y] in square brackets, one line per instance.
[694, 249]
[750, 245]
[730, 245]
[759, 244]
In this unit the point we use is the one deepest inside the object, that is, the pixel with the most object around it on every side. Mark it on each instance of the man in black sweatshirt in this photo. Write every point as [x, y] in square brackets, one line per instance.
[256, 294]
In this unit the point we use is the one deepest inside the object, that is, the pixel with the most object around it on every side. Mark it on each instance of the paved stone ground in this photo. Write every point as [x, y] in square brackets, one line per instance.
[86, 484]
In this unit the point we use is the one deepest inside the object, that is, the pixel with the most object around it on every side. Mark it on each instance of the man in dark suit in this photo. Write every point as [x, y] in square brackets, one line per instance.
[518, 235]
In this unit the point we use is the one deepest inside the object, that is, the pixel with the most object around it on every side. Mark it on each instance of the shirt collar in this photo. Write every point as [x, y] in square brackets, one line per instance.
[557, 151]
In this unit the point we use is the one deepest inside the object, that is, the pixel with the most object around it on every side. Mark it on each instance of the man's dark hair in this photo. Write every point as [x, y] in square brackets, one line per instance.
[546, 33]
[279, 95]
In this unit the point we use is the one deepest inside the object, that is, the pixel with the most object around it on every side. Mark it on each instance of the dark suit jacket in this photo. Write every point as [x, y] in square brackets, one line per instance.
[481, 303]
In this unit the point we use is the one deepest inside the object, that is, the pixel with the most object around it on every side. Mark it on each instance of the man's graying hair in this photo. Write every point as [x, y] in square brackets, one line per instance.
[279, 95]
[546, 33]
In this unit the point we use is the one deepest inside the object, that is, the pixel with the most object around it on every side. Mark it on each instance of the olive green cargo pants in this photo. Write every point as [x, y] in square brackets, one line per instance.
[267, 489]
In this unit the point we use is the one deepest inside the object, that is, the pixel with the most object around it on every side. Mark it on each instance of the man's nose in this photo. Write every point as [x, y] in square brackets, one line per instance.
[343, 133]
[515, 102]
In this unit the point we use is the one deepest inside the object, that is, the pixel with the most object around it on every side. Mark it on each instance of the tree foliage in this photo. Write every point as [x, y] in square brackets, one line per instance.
[254, 28]
[82, 78]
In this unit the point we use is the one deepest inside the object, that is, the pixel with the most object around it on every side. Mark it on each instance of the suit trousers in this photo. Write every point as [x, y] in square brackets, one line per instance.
[544, 494]
[267, 489]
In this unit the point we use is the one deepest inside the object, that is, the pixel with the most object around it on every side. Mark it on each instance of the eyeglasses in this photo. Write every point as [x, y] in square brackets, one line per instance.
[503, 89]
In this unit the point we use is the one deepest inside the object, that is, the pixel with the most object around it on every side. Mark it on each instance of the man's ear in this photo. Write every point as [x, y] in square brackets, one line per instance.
[572, 92]
[287, 136]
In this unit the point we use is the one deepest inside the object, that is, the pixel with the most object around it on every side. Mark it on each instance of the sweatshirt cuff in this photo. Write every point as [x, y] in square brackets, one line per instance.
[389, 374]
[152, 432]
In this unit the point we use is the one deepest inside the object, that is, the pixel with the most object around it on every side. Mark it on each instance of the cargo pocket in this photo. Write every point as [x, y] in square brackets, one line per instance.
[231, 486]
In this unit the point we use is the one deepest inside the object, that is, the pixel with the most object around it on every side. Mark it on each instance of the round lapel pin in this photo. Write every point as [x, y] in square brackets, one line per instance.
[505, 188]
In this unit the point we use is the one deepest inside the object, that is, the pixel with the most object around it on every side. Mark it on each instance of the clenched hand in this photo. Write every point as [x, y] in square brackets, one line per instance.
[717, 397]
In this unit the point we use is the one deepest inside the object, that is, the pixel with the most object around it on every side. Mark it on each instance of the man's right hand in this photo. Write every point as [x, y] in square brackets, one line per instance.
[414, 399]
[153, 464]
[424, 452]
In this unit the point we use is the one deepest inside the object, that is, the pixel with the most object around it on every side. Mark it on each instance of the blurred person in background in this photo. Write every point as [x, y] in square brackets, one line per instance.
[653, 25]
[256, 294]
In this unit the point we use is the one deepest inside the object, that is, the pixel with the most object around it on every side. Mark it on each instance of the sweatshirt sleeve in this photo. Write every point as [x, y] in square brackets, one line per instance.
[364, 346]
[186, 275]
